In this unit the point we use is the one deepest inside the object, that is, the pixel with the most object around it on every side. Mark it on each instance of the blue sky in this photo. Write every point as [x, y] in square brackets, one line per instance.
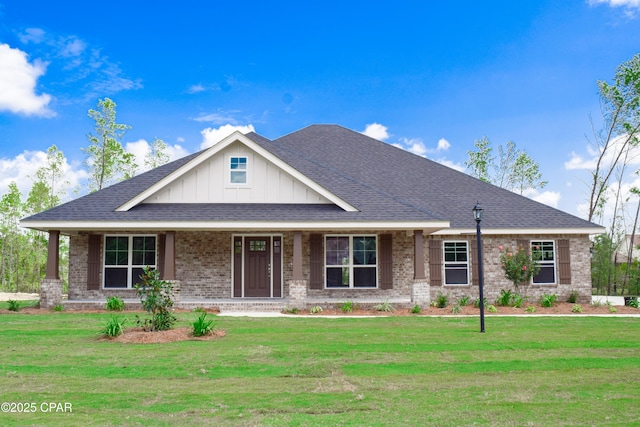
[428, 76]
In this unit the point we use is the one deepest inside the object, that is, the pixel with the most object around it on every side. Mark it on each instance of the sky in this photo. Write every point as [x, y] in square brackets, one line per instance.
[428, 76]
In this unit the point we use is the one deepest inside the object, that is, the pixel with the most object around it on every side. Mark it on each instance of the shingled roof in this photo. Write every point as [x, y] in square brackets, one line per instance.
[384, 183]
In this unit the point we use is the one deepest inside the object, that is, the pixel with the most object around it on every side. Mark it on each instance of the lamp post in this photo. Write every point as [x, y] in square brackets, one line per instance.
[477, 215]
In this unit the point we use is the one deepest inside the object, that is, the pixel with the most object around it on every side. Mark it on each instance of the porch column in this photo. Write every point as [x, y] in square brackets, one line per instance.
[297, 256]
[53, 256]
[297, 284]
[51, 286]
[418, 255]
[170, 256]
[420, 289]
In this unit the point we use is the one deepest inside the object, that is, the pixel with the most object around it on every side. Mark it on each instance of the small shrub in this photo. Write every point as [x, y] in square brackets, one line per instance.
[547, 300]
[415, 310]
[441, 300]
[292, 310]
[463, 301]
[530, 309]
[573, 297]
[57, 307]
[156, 296]
[612, 309]
[347, 307]
[633, 302]
[476, 302]
[13, 305]
[455, 308]
[596, 303]
[492, 309]
[315, 310]
[577, 308]
[517, 300]
[114, 327]
[114, 304]
[199, 310]
[385, 306]
[505, 298]
[202, 326]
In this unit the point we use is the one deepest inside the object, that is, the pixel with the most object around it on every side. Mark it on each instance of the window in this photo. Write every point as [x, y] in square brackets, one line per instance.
[238, 170]
[351, 261]
[545, 251]
[125, 258]
[456, 263]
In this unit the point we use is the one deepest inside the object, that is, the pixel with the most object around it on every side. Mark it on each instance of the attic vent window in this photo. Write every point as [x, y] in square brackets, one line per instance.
[238, 170]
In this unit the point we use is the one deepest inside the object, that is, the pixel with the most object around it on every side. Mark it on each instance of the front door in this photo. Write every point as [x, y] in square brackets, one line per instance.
[257, 266]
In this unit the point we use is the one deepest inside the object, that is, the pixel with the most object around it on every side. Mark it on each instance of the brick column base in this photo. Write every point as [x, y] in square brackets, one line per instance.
[298, 293]
[50, 293]
[420, 293]
[176, 289]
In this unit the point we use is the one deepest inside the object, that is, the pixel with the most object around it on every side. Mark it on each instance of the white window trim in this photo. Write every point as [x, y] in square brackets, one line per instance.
[350, 265]
[246, 170]
[553, 263]
[129, 265]
[466, 263]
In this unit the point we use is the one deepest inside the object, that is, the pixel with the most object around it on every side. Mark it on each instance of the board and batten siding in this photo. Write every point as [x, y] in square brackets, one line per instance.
[209, 183]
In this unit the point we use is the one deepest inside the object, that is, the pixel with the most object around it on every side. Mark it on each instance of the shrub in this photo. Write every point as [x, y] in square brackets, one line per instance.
[612, 309]
[547, 300]
[505, 298]
[385, 306]
[292, 310]
[347, 307]
[202, 326]
[156, 297]
[13, 305]
[577, 308]
[492, 309]
[114, 304]
[573, 297]
[455, 309]
[520, 265]
[476, 302]
[530, 309]
[58, 307]
[114, 327]
[441, 300]
[633, 302]
[517, 300]
[463, 301]
[315, 310]
[415, 310]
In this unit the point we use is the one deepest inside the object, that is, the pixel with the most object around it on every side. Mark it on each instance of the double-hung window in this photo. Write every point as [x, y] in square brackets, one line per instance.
[544, 252]
[237, 170]
[456, 263]
[351, 261]
[125, 257]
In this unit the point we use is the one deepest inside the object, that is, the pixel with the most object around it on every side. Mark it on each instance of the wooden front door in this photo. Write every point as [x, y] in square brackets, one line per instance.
[257, 266]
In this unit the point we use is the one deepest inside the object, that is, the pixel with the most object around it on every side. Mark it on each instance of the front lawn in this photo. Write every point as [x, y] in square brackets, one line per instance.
[538, 371]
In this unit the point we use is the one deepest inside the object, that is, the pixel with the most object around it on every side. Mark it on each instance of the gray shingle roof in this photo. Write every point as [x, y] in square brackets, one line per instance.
[383, 182]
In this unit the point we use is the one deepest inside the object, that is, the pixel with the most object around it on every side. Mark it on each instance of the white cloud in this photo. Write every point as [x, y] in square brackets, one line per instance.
[196, 88]
[631, 7]
[211, 136]
[577, 161]
[550, 198]
[18, 84]
[21, 170]
[32, 35]
[443, 145]
[219, 118]
[457, 166]
[141, 148]
[377, 131]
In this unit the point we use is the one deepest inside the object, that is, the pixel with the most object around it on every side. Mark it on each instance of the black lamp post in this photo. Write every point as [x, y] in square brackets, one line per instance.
[477, 215]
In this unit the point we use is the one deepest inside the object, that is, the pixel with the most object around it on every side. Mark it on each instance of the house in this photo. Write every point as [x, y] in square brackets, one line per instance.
[321, 215]
[622, 252]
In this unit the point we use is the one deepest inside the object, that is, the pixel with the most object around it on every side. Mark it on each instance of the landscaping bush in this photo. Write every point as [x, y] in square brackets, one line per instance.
[156, 297]
[441, 300]
[114, 304]
[202, 326]
[347, 307]
[385, 306]
[13, 305]
[114, 327]
[547, 300]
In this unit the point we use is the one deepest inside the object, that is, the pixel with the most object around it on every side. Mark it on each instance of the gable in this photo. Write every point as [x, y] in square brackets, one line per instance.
[212, 182]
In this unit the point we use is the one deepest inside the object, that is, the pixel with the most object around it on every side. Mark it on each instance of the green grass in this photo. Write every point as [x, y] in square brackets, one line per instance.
[317, 371]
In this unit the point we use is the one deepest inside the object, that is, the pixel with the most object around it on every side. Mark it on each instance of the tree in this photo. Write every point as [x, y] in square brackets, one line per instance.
[513, 169]
[106, 159]
[11, 210]
[157, 155]
[620, 106]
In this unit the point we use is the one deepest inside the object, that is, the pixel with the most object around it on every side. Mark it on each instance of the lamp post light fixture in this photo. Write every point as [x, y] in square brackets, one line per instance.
[477, 215]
